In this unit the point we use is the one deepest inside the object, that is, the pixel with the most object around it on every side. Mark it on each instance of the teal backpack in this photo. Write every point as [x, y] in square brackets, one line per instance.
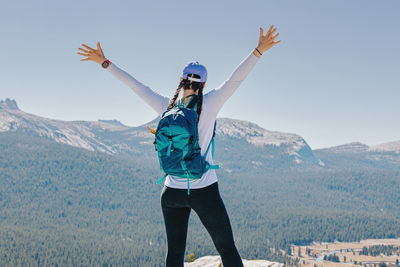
[177, 143]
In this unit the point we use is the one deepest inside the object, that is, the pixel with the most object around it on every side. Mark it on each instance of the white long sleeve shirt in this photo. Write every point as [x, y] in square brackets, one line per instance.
[212, 104]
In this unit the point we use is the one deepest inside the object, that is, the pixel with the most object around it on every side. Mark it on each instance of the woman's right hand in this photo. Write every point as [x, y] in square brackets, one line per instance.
[95, 55]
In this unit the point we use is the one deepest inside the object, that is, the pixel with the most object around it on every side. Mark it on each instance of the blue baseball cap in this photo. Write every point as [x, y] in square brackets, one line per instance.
[196, 68]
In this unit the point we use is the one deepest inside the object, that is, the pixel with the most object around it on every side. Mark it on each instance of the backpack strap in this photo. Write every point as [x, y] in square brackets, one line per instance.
[187, 176]
[162, 178]
[193, 102]
[212, 144]
[183, 164]
[212, 141]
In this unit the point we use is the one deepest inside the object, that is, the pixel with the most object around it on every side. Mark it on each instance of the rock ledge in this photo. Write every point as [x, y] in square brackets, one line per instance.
[214, 261]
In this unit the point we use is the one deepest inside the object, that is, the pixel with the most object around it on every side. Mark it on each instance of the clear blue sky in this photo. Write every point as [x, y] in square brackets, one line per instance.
[333, 79]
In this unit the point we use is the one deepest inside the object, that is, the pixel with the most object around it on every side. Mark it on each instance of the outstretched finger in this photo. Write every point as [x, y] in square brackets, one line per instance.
[261, 32]
[83, 54]
[84, 50]
[273, 37]
[88, 47]
[99, 47]
[269, 31]
[85, 59]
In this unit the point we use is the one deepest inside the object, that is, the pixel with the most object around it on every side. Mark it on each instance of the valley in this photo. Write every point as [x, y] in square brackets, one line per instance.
[369, 252]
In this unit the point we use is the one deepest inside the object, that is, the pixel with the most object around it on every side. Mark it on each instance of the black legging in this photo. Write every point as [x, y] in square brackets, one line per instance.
[207, 203]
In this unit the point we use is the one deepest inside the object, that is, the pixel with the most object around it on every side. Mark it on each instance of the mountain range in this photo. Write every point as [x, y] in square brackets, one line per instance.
[266, 148]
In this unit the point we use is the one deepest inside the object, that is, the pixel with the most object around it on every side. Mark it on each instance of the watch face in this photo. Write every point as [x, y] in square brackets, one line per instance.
[105, 64]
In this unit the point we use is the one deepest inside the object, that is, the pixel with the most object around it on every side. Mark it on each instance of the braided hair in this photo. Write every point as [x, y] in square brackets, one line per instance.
[187, 84]
[172, 102]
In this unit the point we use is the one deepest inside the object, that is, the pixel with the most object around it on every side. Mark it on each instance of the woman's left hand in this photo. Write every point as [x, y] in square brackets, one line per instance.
[267, 41]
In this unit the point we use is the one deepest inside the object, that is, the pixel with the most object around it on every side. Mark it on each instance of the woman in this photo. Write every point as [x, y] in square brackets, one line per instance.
[204, 196]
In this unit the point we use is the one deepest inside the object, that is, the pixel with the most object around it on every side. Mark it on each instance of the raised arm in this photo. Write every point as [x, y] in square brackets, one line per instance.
[158, 102]
[221, 94]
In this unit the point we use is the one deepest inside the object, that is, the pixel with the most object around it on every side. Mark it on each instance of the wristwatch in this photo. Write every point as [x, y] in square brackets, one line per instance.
[106, 63]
